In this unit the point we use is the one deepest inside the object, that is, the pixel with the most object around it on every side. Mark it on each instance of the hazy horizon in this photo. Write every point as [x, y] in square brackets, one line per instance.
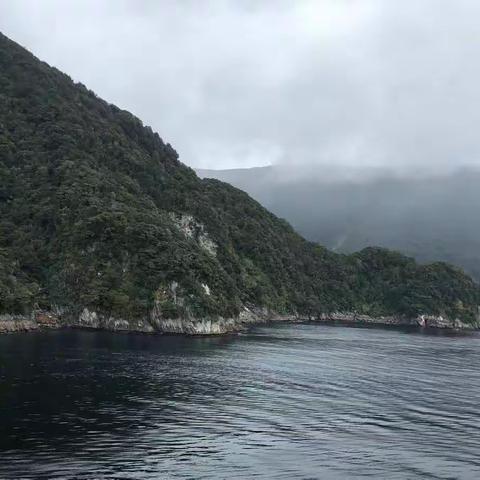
[230, 84]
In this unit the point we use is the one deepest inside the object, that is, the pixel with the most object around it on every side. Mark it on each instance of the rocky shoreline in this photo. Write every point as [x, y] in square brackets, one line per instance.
[208, 326]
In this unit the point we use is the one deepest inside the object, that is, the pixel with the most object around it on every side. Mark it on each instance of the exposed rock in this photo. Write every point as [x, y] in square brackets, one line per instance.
[92, 319]
[191, 228]
[442, 322]
[430, 321]
[190, 325]
[47, 319]
[17, 323]
[219, 325]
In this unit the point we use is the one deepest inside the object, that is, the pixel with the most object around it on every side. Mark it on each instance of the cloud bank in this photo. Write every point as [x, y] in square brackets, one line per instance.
[362, 83]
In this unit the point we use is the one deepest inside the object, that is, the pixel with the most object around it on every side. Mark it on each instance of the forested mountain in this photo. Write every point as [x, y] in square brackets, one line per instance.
[433, 216]
[97, 212]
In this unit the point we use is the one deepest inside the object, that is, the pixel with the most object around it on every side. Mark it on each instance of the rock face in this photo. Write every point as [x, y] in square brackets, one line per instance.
[208, 326]
[17, 323]
[91, 319]
[428, 321]
[195, 230]
[220, 325]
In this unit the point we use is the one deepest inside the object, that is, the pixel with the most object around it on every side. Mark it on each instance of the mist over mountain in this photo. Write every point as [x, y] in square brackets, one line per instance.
[429, 216]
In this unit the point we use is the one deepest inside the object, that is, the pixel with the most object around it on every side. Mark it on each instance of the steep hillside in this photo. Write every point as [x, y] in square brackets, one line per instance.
[431, 217]
[99, 219]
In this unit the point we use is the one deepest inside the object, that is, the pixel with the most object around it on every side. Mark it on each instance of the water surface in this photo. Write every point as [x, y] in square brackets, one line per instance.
[287, 402]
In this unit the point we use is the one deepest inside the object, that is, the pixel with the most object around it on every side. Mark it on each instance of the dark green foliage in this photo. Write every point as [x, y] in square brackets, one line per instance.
[92, 204]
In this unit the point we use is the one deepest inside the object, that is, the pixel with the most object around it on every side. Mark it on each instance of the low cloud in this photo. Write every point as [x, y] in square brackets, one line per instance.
[362, 83]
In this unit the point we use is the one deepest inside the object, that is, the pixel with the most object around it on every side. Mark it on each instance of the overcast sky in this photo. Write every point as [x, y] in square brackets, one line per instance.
[234, 83]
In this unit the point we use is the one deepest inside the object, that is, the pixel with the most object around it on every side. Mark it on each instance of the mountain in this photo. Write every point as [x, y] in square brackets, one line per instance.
[430, 217]
[102, 225]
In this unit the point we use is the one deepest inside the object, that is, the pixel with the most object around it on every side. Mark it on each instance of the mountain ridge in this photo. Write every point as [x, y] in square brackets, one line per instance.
[102, 226]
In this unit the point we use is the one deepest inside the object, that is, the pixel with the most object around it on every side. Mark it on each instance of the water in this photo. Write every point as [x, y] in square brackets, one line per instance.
[286, 402]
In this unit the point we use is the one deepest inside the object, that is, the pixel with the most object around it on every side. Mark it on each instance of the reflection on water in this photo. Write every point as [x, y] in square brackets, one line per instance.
[304, 401]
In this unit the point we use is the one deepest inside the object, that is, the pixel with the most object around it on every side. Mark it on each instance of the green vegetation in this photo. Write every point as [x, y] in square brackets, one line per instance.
[97, 211]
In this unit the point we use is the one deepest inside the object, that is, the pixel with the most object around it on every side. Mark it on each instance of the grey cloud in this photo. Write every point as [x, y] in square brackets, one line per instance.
[240, 83]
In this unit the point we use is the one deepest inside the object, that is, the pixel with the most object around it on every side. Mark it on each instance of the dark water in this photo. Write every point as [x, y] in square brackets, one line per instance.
[289, 402]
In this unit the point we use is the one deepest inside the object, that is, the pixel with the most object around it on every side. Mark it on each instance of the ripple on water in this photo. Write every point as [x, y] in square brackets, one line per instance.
[296, 402]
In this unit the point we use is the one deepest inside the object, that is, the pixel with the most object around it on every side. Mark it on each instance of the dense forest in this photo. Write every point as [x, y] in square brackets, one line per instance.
[97, 211]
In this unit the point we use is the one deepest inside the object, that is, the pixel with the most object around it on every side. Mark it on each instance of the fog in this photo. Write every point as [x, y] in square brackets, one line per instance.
[362, 85]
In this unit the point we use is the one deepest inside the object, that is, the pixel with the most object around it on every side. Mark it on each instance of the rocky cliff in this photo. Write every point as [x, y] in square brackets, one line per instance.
[212, 326]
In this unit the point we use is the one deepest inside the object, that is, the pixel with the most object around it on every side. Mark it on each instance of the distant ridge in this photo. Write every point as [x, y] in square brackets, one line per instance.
[430, 217]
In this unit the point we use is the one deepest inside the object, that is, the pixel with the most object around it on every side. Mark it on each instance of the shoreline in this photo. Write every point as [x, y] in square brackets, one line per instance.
[89, 320]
